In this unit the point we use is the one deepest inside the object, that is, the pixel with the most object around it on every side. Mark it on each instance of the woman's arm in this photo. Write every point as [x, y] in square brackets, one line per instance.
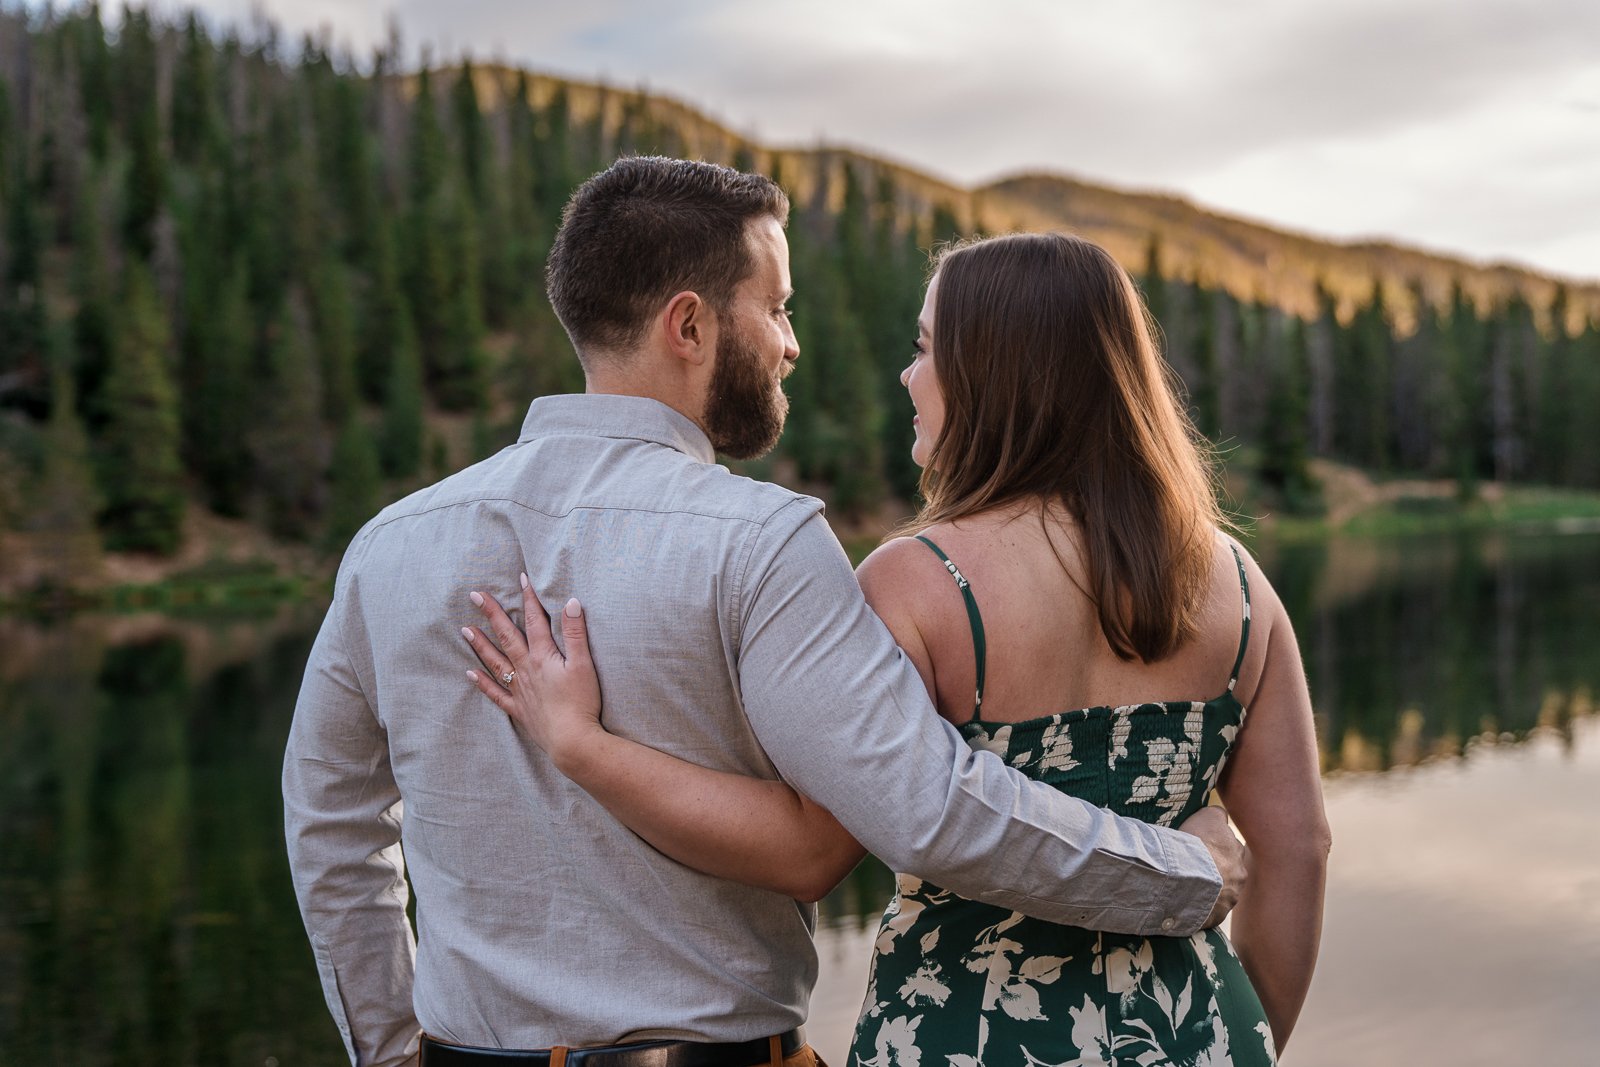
[1273, 791]
[749, 830]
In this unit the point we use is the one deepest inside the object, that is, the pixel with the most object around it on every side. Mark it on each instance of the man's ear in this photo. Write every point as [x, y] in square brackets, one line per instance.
[689, 326]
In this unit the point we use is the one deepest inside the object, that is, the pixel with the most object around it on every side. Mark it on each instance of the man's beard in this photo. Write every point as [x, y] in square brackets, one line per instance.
[746, 408]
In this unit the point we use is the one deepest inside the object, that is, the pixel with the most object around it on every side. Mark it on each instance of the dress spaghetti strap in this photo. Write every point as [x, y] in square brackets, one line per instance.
[975, 620]
[1244, 626]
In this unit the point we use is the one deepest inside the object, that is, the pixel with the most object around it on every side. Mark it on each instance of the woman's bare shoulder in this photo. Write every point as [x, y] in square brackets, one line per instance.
[898, 580]
[898, 568]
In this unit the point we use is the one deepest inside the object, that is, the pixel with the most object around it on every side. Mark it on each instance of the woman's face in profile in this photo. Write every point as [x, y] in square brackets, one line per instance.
[922, 382]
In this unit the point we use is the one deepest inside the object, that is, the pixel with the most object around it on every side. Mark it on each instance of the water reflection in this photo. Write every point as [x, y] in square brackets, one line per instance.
[1414, 647]
[146, 915]
[144, 908]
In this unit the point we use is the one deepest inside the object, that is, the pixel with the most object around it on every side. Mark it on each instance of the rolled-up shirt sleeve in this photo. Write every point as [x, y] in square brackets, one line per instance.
[342, 823]
[845, 718]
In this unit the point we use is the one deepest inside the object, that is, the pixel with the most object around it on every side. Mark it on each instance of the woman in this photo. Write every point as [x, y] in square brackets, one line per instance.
[1068, 556]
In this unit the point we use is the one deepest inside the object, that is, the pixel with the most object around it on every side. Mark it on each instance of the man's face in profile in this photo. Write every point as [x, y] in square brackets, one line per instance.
[756, 350]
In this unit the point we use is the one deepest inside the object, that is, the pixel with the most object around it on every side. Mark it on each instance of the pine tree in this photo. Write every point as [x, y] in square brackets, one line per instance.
[290, 451]
[336, 338]
[141, 475]
[460, 364]
[351, 169]
[431, 269]
[299, 227]
[94, 294]
[24, 340]
[1321, 339]
[1465, 354]
[222, 405]
[196, 121]
[845, 435]
[1550, 423]
[904, 268]
[1283, 433]
[355, 482]
[427, 158]
[1581, 448]
[472, 138]
[400, 443]
[146, 186]
[526, 225]
[9, 144]
[489, 203]
[1365, 395]
[257, 204]
[65, 500]
[801, 440]
[556, 168]
[1215, 314]
[1417, 387]
[94, 71]
[1510, 353]
[1153, 284]
[383, 310]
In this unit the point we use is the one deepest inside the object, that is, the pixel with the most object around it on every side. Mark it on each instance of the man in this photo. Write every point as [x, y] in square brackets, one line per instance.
[734, 635]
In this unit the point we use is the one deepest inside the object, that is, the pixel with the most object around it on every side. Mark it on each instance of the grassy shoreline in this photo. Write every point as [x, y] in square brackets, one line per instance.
[240, 589]
[256, 585]
[1514, 508]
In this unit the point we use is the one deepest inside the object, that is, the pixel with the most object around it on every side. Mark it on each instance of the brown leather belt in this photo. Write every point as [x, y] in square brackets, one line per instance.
[762, 1050]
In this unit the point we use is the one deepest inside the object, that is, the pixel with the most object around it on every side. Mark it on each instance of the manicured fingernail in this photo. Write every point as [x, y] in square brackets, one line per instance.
[466, 632]
[476, 598]
[523, 578]
[574, 609]
[472, 676]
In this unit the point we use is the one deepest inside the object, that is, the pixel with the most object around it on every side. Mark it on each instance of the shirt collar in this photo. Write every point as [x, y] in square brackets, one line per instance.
[604, 415]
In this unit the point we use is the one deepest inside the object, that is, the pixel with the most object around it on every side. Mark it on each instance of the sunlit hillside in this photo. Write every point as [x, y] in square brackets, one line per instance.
[1250, 259]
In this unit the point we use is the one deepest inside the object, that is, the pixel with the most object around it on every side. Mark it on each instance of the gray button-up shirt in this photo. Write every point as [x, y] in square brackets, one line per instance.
[728, 629]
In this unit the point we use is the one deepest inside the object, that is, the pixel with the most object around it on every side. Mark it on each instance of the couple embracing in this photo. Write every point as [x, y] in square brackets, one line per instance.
[1023, 706]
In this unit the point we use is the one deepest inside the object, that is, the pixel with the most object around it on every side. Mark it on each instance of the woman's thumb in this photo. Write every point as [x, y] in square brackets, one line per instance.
[575, 632]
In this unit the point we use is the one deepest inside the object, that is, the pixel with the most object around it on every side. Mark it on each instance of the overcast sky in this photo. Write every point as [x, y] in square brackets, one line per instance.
[1465, 126]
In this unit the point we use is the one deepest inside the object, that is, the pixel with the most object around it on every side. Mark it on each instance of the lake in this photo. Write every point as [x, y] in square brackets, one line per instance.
[146, 915]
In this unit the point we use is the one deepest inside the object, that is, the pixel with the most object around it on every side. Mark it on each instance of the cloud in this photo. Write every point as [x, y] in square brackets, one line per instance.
[1514, 178]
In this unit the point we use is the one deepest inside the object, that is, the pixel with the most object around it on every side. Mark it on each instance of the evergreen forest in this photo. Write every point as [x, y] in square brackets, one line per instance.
[286, 285]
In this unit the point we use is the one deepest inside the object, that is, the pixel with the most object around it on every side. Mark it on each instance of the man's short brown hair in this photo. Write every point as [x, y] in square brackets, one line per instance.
[644, 229]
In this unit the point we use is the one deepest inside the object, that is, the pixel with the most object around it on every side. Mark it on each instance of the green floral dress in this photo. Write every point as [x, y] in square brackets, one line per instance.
[960, 983]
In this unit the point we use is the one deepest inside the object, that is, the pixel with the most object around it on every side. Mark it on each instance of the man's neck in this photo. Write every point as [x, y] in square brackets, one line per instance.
[625, 385]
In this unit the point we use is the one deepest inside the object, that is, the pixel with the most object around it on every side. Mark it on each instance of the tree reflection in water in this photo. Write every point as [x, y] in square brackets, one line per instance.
[1415, 648]
[145, 908]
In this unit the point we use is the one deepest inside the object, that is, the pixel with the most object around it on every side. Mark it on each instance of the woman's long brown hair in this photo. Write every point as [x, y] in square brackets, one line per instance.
[1053, 389]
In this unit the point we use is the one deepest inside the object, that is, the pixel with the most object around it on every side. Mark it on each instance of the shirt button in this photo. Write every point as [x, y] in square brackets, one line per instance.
[1168, 923]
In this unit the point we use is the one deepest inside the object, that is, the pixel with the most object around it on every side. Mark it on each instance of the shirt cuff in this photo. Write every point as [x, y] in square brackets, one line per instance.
[1196, 885]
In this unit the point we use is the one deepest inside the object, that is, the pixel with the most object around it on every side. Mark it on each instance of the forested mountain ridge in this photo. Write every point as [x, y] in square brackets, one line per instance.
[1254, 260]
[280, 287]
[1250, 259]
